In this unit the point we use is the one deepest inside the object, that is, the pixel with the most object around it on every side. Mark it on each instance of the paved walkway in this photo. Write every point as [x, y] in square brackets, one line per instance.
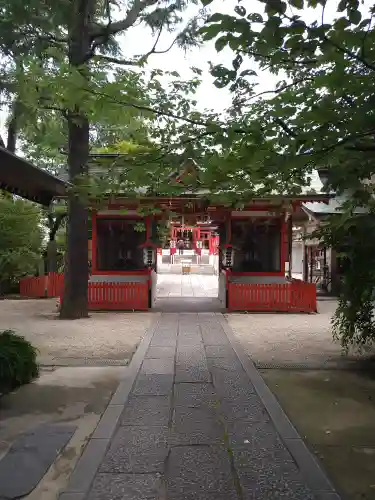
[193, 420]
[190, 285]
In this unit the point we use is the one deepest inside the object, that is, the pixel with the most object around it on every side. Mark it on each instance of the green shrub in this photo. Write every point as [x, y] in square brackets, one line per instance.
[18, 364]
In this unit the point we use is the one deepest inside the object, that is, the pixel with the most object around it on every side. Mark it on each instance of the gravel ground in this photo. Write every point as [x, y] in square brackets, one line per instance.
[103, 339]
[288, 338]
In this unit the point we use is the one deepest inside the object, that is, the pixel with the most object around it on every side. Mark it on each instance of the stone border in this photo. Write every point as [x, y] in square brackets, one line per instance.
[83, 474]
[310, 469]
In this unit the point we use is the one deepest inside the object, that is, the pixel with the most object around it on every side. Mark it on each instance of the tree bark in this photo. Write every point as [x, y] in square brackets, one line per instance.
[12, 134]
[13, 127]
[74, 304]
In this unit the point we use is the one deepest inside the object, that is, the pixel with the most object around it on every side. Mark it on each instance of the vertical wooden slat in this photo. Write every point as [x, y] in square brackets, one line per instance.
[288, 297]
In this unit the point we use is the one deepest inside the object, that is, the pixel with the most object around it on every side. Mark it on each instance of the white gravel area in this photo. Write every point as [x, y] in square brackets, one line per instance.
[109, 336]
[288, 338]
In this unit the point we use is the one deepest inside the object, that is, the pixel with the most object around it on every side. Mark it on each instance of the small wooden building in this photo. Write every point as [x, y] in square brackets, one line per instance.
[254, 252]
[254, 246]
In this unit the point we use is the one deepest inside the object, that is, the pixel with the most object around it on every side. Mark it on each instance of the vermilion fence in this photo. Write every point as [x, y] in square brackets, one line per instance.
[102, 295]
[118, 296]
[50, 285]
[288, 297]
[33, 286]
[55, 285]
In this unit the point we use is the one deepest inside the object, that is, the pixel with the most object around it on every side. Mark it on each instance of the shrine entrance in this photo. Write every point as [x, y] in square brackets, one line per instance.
[188, 268]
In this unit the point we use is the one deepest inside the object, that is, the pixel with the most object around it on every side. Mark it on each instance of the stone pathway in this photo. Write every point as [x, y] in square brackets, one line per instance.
[195, 421]
[193, 285]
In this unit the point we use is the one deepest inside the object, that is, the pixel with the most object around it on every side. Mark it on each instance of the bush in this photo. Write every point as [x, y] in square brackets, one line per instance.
[18, 364]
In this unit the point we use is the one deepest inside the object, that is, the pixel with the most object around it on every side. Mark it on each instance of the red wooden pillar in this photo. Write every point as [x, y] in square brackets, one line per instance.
[229, 229]
[148, 223]
[94, 249]
[283, 245]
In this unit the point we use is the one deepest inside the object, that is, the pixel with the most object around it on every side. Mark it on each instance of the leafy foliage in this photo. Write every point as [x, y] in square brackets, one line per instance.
[18, 364]
[319, 114]
[21, 238]
[352, 235]
[321, 107]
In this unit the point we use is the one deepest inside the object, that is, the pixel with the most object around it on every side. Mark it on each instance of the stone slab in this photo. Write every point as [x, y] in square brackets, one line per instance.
[108, 423]
[87, 466]
[153, 385]
[231, 384]
[268, 483]
[160, 352]
[136, 450]
[192, 395]
[199, 473]
[29, 458]
[228, 364]
[192, 374]
[147, 411]
[126, 487]
[161, 366]
[247, 408]
[220, 351]
[214, 336]
[196, 426]
[191, 365]
[165, 341]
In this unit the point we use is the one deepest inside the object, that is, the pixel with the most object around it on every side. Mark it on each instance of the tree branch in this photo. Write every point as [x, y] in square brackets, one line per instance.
[286, 128]
[98, 31]
[302, 62]
[361, 147]
[283, 87]
[141, 107]
[115, 60]
[349, 53]
[340, 48]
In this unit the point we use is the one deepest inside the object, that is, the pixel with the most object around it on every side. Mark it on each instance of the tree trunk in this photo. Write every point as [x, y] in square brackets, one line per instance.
[74, 304]
[52, 256]
[12, 134]
[13, 126]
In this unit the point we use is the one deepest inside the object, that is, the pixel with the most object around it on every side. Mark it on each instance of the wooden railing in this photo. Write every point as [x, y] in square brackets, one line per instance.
[55, 285]
[288, 297]
[118, 296]
[101, 295]
[33, 286]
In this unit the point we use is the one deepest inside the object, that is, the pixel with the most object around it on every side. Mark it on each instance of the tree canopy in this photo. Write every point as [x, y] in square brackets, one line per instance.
[21, 237]
[318, 115]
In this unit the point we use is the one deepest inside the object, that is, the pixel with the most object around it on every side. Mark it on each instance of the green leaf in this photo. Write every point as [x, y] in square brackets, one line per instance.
[211, 31]
[240, 10]
[355, 16]
[237, 61]
[342, 23]
[254, 17]
[221, 43]
[298, 4]
[215, 18]
[248, 72]
[275, 7]
[342, 5]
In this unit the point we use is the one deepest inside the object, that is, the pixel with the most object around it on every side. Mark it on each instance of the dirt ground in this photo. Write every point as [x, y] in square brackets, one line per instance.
[335, 412]
[106, 338]
[82, 364]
